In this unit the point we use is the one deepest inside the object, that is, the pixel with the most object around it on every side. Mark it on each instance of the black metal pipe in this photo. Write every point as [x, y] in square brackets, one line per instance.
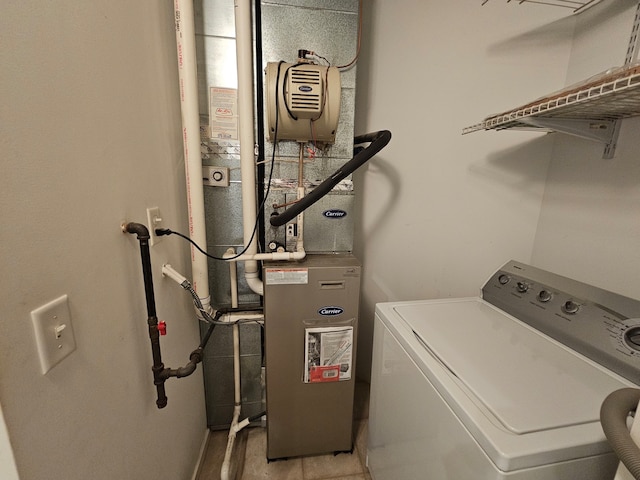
[142, 234]
[143, 237]
[378, 141]
[160, 373]
[195, 357]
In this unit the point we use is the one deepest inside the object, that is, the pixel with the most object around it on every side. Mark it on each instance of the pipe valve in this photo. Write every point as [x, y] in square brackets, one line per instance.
[162, 327]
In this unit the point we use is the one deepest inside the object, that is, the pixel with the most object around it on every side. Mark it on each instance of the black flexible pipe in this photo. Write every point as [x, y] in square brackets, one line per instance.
[378, 141]
[195, 357]
[613, 416]
[154, 335]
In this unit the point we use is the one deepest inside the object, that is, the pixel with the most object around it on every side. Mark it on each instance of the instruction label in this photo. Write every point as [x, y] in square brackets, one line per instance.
[287, 276]
[223, 113]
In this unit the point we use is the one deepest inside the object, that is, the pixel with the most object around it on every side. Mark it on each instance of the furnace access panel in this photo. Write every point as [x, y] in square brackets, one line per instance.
[311, 320]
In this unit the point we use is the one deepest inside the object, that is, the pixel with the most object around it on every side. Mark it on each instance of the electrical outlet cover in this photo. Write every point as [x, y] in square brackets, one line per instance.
[54, 333]
[154, 220]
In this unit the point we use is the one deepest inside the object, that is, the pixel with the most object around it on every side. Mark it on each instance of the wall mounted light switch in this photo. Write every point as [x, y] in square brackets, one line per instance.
[54, 333]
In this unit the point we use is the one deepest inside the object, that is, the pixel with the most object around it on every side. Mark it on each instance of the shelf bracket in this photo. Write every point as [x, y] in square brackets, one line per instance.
[634, 40]
[610, 148]
[603, 131]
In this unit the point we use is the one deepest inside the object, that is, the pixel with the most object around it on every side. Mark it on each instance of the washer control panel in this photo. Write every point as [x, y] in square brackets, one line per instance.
[599, 324]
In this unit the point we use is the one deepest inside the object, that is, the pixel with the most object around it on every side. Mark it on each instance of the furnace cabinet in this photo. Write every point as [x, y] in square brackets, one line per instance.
[311, 327]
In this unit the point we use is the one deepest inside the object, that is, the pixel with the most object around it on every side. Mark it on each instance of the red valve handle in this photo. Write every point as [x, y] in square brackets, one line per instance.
[162, 327]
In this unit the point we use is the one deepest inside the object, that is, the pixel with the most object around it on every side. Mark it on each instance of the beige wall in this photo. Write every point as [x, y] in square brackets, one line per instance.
[441, 211]
[590, 223]
[91, 137]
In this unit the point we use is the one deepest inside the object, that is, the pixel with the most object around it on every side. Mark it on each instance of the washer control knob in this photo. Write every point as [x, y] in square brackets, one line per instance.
[522, 287]
[570, 307]
[544, 296]
[632, 337]
[503, 279]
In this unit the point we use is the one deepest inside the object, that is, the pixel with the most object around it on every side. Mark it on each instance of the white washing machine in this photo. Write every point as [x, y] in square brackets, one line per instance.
[507, 386]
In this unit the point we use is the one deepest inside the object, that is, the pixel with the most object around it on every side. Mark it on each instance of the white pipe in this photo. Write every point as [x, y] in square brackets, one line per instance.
[230, 317]
[244, 51]
[300, 222]
[299, 254]
[236, 363]
[226, 463]
[188, 77]
[242, 424]
[235, 316]
[233, 277]
[169, 271]
[278, 256]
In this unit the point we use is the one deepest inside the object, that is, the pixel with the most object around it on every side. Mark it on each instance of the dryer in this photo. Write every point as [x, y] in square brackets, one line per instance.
[503, 386]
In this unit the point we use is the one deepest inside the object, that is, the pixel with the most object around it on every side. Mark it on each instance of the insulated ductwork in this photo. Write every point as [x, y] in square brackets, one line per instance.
[308, 101]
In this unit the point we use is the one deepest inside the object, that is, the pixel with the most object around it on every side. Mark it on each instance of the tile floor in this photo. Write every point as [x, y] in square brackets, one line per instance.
[250, 461]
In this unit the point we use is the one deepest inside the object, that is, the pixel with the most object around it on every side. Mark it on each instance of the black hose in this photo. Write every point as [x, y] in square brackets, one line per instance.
[378, 140]
[195, 357]
[142, 234]
[257, 416]
[613, 416]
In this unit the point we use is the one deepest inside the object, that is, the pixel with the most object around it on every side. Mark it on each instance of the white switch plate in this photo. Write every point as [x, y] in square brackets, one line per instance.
[54, 333]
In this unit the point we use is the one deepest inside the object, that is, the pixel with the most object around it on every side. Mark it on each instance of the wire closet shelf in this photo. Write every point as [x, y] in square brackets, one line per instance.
[575, 6]
[609, 97]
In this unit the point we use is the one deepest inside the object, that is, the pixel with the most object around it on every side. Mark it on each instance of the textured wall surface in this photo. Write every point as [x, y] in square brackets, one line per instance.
[91, 137]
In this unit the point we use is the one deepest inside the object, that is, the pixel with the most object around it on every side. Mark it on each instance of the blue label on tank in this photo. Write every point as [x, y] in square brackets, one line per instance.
[330, 311]
[334, 213]
[305, 88]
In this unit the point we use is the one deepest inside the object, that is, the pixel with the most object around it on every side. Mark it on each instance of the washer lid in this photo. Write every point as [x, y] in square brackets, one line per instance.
[528, 382]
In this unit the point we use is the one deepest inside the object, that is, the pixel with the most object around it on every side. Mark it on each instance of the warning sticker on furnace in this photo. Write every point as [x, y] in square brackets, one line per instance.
[286, 276]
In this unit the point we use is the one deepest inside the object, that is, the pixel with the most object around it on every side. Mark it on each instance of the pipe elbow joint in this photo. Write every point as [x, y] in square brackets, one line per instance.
[185, 371]
[196, 356]
[254, 283]
[138, 229]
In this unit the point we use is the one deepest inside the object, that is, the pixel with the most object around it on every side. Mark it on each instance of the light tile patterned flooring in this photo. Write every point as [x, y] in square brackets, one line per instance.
[250, 461]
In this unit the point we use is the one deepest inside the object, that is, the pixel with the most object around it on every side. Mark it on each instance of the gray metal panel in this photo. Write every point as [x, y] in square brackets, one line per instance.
[218, 373]
[308, 418]
[331, 33]
[222, 215]
[340, 5]
[323, 233]
[592, 321]
[214, 18]
[216, 63]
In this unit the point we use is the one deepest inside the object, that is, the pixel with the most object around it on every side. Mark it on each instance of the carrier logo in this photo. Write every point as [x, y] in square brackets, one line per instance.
[330, 311]
[305, 88]
[334, 213]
